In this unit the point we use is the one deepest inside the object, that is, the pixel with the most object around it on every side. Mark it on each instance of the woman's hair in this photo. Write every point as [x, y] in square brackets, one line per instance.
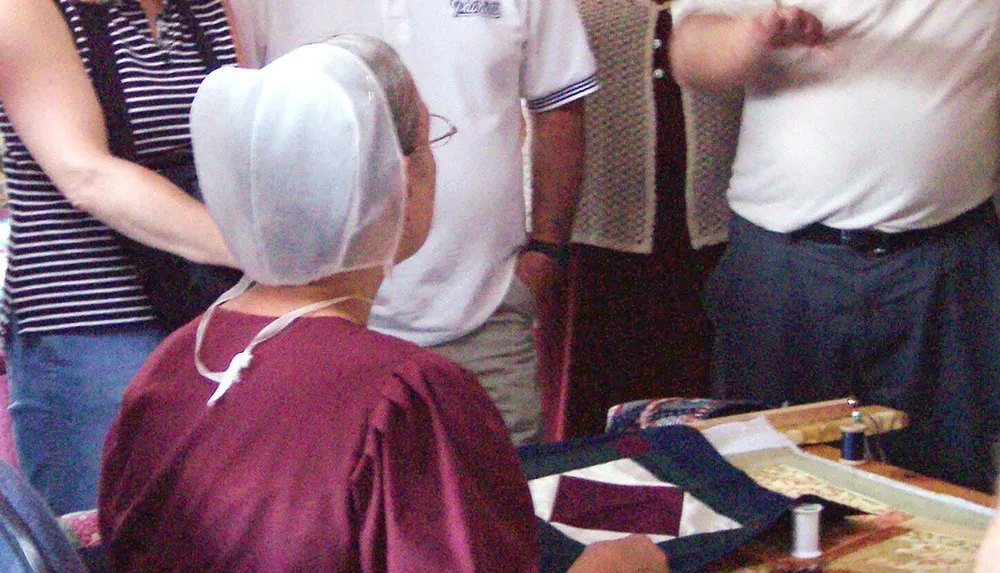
[400, 90]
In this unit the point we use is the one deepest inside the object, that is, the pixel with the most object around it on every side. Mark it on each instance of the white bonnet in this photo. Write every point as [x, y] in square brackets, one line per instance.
[300, 166]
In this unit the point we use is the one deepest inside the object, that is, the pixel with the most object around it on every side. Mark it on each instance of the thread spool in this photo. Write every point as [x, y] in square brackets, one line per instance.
[805, 531]
[852, 443]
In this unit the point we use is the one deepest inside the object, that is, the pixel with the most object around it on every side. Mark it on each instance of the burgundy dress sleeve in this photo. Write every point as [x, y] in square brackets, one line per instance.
[439, 485]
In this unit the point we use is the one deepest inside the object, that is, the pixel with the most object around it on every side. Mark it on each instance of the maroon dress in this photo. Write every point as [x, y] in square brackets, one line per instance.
[340, 449]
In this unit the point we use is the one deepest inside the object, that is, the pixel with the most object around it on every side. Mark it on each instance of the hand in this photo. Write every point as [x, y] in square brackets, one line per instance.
[541, 273]
[783, 27]
[633, 554]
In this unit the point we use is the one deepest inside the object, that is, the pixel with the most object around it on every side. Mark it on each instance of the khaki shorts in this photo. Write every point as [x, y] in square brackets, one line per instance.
[501, 353]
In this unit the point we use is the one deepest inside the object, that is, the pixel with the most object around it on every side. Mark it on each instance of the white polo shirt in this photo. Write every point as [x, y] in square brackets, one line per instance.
[894, 126]
[473, 62]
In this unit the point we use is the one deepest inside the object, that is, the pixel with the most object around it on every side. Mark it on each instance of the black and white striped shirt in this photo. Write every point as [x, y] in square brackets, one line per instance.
[66, 269]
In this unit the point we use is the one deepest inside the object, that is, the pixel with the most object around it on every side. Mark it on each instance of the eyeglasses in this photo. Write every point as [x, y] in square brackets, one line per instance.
[438, 125]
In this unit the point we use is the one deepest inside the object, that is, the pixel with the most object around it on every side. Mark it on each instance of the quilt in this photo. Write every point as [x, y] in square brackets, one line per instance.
[903, 528]
[667, 482]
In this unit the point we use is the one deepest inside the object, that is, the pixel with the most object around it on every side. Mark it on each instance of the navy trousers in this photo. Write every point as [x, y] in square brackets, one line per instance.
[916, 329]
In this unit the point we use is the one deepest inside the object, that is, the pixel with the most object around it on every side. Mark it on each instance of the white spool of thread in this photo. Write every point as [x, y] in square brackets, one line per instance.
[805, 531]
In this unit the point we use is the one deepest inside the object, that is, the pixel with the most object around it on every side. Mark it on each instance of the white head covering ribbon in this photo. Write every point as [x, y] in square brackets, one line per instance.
[231, 375]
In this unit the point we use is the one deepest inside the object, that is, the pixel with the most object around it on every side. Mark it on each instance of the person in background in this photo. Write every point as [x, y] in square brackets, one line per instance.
[864, 255]
[278, 433]
[78, 325]
[470, 292]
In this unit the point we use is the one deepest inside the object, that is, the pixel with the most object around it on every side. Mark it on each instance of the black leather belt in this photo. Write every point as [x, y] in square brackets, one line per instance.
[872, 242]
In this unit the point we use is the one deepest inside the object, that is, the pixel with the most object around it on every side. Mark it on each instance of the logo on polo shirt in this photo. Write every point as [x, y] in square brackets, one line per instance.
[483, 8]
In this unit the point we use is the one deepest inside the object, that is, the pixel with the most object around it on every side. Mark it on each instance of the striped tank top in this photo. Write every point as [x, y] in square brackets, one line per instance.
[66, 269]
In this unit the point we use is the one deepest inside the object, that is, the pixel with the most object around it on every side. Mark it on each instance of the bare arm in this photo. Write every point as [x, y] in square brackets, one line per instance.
[49, 99]
[557, 170]
[712, 52]
[242, 39]
[245, 21]
[556, 173]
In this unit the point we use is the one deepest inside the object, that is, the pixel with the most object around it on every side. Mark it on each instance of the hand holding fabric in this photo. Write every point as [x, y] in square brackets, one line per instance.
[633, 554]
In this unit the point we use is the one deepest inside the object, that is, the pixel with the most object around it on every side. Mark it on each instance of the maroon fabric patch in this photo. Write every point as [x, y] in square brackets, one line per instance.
[626, 508]
[631, 445]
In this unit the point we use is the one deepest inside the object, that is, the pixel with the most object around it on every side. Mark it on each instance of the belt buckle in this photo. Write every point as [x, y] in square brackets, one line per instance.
[865, 241]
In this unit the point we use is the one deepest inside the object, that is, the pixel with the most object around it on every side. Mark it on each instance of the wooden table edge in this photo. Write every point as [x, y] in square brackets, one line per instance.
[908, 477]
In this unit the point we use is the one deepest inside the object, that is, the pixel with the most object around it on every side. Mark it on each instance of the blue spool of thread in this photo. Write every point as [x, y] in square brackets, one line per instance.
[852, 443]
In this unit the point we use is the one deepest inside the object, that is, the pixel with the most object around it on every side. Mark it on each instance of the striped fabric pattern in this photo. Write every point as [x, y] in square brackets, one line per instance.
[66, 269]
[569, 93]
